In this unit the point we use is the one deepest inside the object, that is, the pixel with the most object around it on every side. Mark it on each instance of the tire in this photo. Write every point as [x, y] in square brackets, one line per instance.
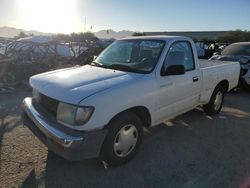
[215, 104]
[122, 140]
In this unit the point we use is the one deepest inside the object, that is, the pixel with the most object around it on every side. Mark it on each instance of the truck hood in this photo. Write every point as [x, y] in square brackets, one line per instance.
[72, 85]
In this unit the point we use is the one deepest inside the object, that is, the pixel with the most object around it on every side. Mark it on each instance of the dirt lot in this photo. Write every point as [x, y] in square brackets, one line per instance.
[192, 151]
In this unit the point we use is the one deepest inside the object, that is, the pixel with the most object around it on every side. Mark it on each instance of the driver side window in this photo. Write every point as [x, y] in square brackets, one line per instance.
[180, 53]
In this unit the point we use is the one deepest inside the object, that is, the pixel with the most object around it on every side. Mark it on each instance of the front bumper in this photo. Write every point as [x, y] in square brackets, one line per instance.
[68, 143]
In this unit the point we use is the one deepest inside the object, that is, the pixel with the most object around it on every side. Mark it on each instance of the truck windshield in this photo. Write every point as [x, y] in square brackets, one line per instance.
[135, 55]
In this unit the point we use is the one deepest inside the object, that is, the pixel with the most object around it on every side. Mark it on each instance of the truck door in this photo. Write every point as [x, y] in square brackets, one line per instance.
[178, 93]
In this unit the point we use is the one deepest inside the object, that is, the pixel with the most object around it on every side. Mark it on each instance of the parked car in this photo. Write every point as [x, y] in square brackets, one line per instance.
[238, 52]
[101, 109]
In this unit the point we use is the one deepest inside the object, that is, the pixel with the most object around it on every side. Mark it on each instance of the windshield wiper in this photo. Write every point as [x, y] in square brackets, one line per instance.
[95, 63]
[121, 67]
[115, 67]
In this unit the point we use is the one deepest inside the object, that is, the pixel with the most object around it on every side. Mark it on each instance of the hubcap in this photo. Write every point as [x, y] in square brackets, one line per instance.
[125, 140]
[218, 100]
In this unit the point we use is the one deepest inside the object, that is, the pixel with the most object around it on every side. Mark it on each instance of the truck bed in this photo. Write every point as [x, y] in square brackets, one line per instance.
[215, 71]
[210, 63]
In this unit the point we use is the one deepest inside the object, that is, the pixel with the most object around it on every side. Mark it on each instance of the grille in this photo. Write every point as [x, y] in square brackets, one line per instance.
[49, 104]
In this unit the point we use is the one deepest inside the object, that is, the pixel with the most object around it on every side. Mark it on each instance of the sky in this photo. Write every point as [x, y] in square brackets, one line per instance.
[66, 16]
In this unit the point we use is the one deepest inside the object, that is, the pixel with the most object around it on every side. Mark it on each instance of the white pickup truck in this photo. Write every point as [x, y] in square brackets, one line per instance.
[101, 109]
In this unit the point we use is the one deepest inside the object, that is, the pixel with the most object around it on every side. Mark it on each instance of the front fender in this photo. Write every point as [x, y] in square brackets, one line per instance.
[108, 103]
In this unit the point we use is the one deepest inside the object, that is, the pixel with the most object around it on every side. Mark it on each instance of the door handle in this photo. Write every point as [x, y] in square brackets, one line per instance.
[166, 85]
[195, 79]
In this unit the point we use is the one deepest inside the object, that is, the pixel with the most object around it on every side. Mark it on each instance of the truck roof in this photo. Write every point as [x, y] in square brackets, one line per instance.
[157, 37]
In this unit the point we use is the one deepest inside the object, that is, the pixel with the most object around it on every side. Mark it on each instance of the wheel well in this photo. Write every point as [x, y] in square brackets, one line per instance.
[142, 112]
[224, 84]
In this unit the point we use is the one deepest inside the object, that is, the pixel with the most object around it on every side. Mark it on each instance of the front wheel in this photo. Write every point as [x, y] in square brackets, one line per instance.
[215, 104]
[123, 139]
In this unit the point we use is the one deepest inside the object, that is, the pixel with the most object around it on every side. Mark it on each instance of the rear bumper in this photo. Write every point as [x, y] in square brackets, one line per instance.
[68, 143]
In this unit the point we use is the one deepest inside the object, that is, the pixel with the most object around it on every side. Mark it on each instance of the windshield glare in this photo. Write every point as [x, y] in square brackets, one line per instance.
[237, 50]
[131, 55]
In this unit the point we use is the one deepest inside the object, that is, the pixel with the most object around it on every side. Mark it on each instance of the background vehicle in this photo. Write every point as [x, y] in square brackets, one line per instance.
[100, 109]
[237, 52]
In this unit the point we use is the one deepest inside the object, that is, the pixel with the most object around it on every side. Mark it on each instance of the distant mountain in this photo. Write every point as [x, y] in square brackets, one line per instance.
[113, 34]
[10, 32]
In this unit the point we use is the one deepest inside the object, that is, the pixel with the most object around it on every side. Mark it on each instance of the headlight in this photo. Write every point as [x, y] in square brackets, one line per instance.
[83, 114]
[68, 114]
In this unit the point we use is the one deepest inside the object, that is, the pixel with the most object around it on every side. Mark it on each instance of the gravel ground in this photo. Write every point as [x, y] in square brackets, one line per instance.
[193, 150]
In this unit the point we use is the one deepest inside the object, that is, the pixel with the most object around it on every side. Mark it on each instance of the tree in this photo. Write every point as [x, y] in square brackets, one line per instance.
[234, 36]
[89, 35]
[75, 37]
[139, 34]
[21, 35]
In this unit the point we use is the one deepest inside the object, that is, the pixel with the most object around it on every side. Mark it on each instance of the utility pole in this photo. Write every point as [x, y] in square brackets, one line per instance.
[85, 24]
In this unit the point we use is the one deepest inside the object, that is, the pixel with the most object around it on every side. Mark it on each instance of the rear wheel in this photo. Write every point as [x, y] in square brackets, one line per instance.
[123, 139]
[215, 104]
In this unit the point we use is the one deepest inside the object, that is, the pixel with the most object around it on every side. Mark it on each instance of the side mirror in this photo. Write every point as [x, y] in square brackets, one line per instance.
[174, 70]
[94, 58]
